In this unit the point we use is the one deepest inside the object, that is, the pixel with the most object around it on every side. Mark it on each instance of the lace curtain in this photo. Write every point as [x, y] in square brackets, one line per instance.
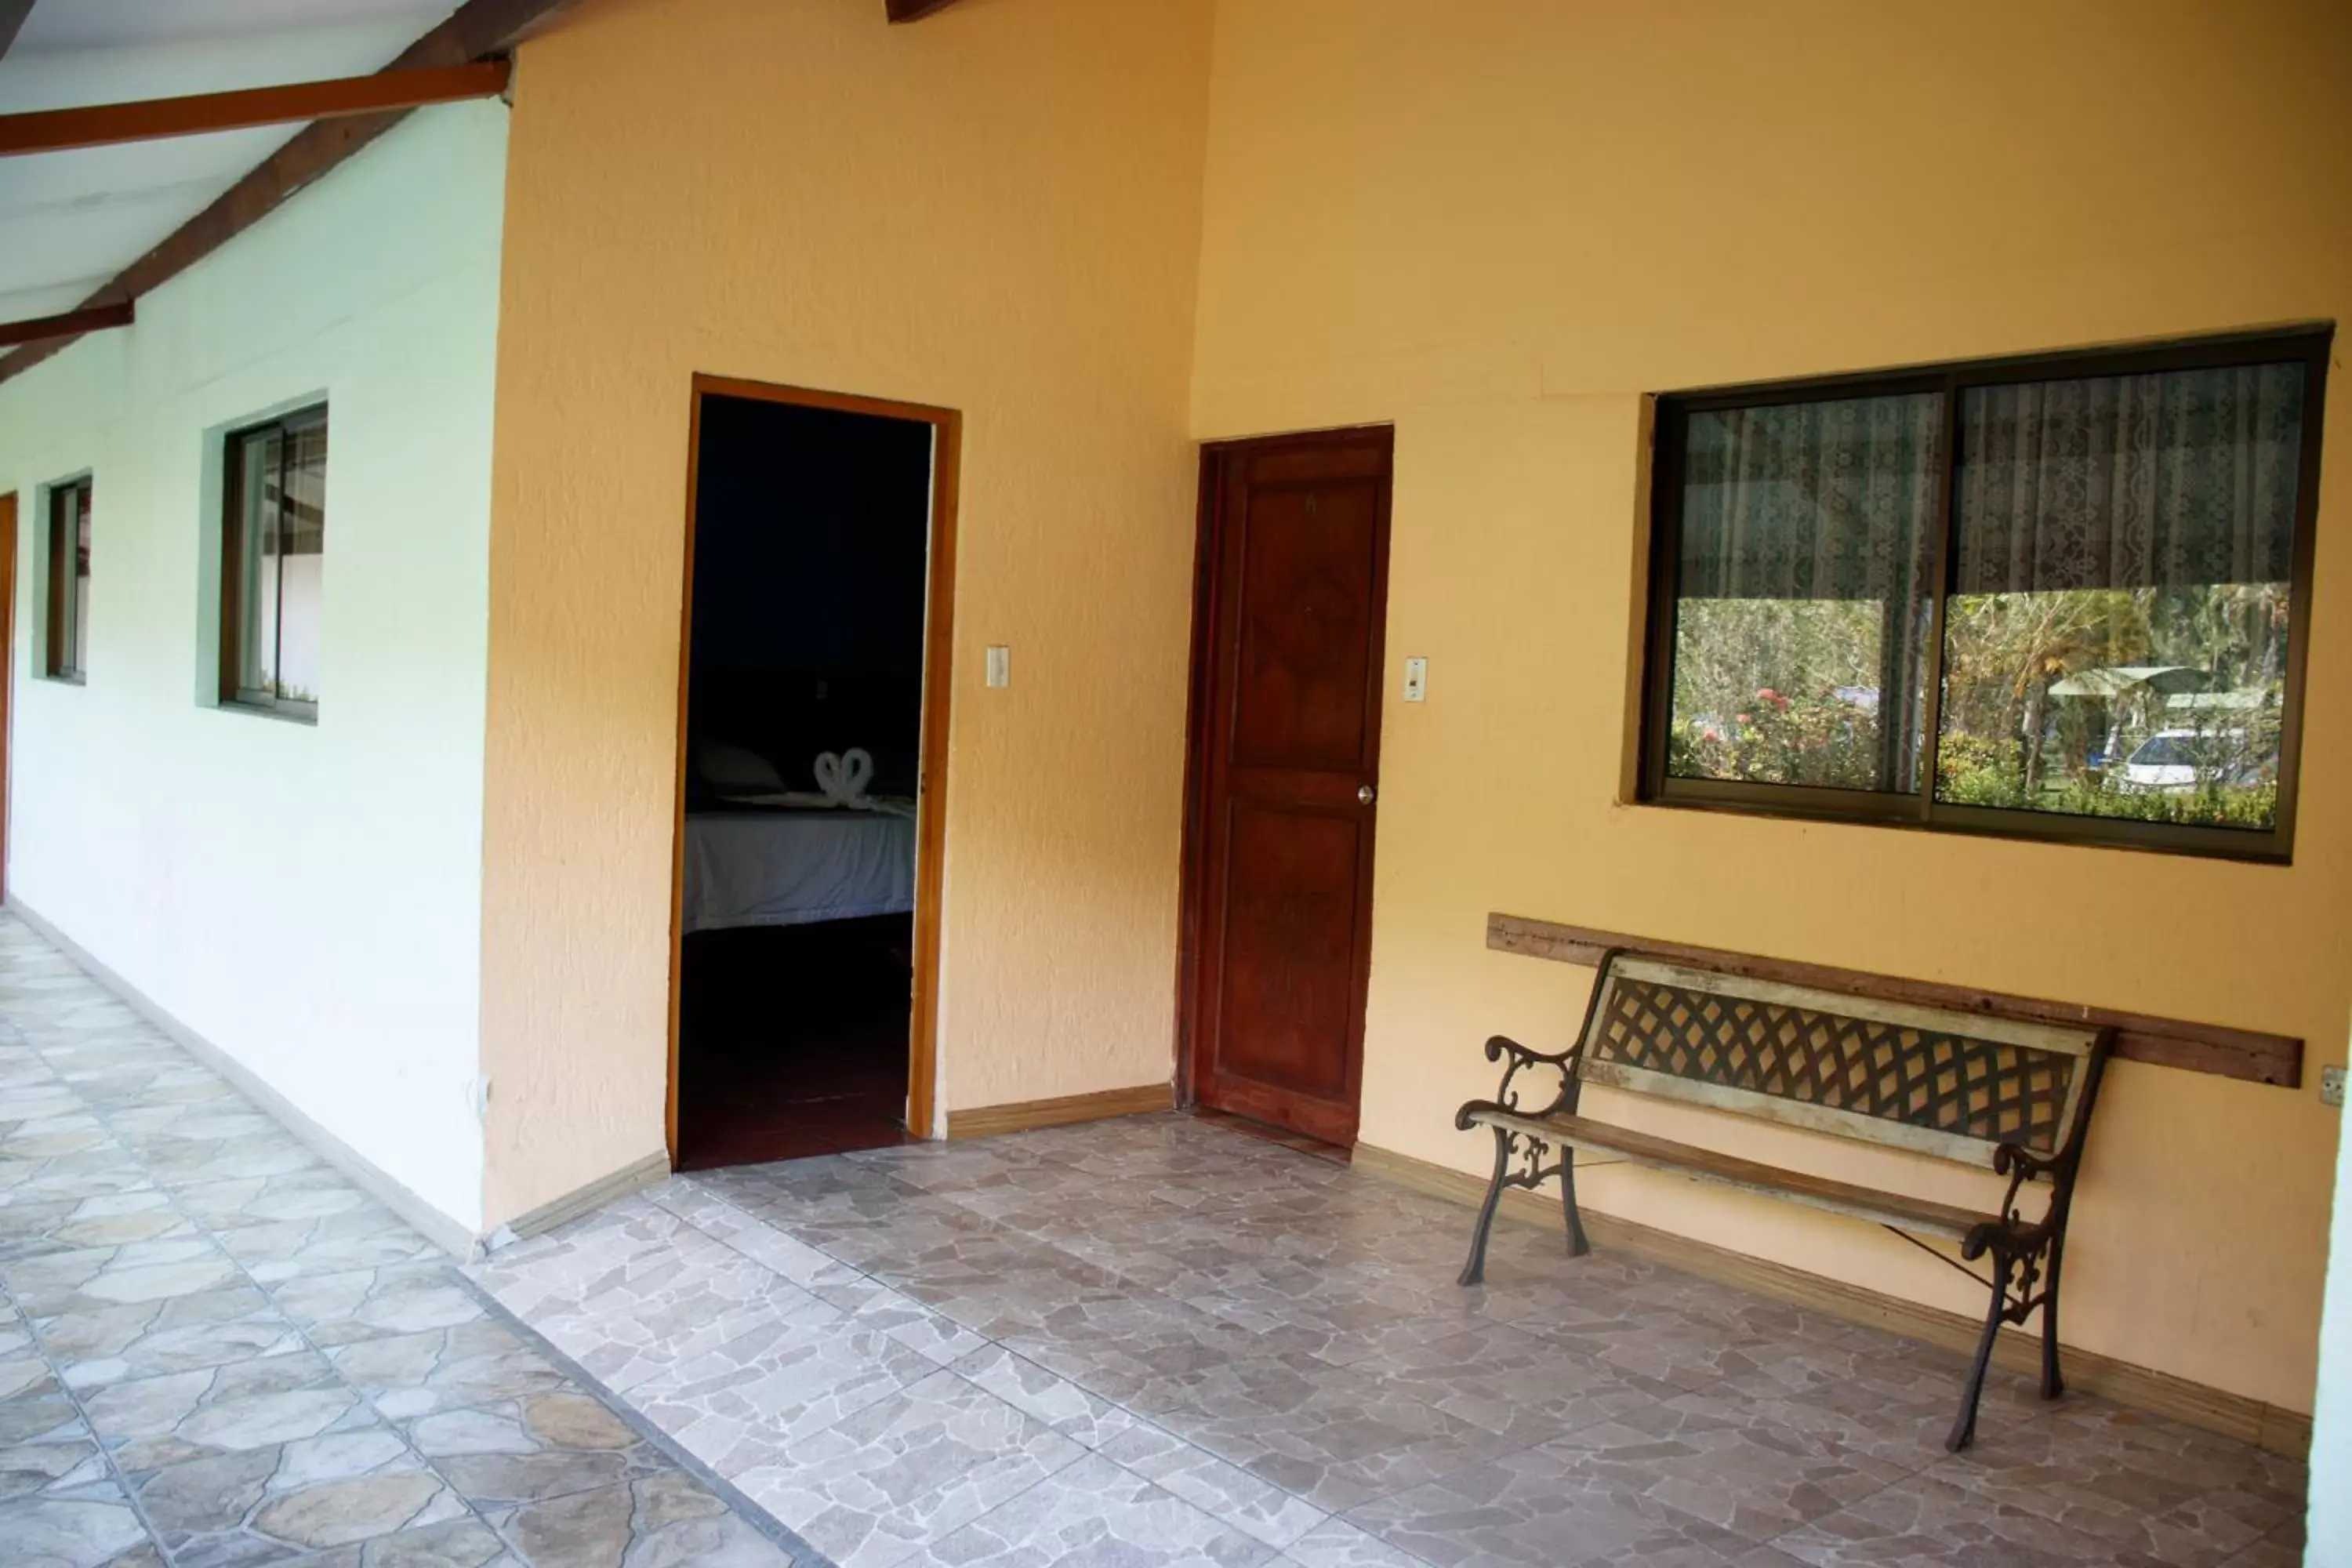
[1810, 500]
[2175, 479]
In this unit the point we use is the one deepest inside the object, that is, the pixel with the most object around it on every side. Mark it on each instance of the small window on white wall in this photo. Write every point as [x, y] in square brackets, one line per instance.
[273, 547]
[66, 656]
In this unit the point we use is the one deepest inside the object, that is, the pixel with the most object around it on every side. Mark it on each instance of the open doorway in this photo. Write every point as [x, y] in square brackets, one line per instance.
[812, 730]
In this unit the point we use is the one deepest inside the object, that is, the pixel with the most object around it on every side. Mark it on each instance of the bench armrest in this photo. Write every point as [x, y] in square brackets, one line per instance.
[2012, 1233]
[1522, 1057]
[2009, 1238]
[2018, 1157]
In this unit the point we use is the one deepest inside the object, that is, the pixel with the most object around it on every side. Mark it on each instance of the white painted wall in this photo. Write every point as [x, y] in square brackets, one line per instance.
[308, 898]
[2330, 1525]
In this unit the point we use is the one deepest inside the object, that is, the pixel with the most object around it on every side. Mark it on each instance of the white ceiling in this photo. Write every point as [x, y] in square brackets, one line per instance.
[69, 221]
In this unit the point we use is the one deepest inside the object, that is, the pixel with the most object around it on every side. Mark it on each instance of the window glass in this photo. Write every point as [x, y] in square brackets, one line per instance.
[67, 655]
[272, 560]
[257, 569]
[1802, 593]
[81, 578]
[2055, 597]
[2116, 645]
[303, 517]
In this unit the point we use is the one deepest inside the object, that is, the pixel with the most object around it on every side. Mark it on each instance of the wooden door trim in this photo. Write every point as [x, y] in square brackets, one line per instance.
[7, 670]
[1209, 524]
[938, 672]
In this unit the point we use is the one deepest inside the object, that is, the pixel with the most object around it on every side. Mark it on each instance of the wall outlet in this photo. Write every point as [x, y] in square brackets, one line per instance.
[2331, 1087]
[1000, 665]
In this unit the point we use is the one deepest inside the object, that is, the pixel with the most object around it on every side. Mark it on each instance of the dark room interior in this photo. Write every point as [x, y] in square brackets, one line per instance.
[795, 977]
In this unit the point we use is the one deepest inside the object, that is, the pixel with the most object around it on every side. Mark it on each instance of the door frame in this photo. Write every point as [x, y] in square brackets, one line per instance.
[931, 774]
[1210, 527]
[7, 669]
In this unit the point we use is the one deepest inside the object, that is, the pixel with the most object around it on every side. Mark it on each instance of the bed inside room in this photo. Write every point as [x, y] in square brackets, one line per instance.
[802, 750]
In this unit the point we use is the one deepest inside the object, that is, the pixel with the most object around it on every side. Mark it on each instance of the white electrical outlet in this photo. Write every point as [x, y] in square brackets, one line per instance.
[2331, 1087]
[1000, 665]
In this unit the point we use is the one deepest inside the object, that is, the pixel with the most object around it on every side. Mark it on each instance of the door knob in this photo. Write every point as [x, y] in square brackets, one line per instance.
[1366, 794]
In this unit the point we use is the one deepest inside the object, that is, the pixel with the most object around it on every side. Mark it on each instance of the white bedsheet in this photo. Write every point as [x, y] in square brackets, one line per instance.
[796, 867]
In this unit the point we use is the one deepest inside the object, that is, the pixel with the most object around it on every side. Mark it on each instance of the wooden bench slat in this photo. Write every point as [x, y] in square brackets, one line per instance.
[1892, 1073]
[1819, 1192]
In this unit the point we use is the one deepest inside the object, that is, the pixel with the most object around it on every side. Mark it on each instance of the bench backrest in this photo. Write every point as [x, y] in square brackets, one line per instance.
[1933, 1080]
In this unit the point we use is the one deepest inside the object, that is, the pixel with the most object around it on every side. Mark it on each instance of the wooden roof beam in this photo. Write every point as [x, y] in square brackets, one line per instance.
[100, 125]
[476, 29]
[72, 324]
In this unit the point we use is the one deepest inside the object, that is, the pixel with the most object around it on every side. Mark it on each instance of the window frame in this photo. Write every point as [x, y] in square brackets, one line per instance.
[2309, 344]
[233, 692]
[61, 616]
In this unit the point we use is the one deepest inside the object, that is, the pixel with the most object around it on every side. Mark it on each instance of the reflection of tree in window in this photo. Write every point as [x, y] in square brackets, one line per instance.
[1797, 648]
[2124, 556]
[2076, 593]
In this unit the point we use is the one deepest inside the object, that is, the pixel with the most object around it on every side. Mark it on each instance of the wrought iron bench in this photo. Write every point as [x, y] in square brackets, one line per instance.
[1959, 1086]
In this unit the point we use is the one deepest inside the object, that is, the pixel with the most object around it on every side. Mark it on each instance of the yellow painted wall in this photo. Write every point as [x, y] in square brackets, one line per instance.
[1498, 225]
[996, 210]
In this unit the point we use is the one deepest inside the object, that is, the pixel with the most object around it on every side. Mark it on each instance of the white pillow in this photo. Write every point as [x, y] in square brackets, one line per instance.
[732, 767]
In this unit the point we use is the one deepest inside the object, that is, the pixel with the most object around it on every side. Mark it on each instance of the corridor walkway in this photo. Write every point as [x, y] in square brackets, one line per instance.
[1147, 1344]
[215, 1352]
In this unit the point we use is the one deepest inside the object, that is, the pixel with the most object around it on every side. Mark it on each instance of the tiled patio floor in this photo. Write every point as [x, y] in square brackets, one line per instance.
[215, 1352]
[1152, 1342]
[1163, 1342]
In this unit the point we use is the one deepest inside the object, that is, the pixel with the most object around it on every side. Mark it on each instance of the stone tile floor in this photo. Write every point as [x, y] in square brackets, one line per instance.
[1163, 1342]
[215, 1352]
[1157, 1343]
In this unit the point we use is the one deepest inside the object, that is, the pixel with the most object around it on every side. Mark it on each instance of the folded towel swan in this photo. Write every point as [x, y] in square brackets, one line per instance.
[844, 777]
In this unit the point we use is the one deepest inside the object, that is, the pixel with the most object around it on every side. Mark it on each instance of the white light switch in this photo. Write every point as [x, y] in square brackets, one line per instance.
[1416, 679]
[1000, 665]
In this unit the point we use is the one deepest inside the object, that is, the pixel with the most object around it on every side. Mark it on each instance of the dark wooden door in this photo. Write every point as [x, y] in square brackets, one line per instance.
[1286, 775]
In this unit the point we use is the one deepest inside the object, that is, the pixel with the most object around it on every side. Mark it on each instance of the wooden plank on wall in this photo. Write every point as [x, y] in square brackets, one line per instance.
[1022, 1116]
[2215, 1048]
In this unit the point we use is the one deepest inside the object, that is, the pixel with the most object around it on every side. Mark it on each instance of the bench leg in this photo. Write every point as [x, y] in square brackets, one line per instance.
[1475, 1270]
[1577, 1246]
[1964, 1429]
[2052, 1383]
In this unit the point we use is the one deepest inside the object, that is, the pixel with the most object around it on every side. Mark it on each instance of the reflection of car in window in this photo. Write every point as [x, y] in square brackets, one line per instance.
[2183, 759]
